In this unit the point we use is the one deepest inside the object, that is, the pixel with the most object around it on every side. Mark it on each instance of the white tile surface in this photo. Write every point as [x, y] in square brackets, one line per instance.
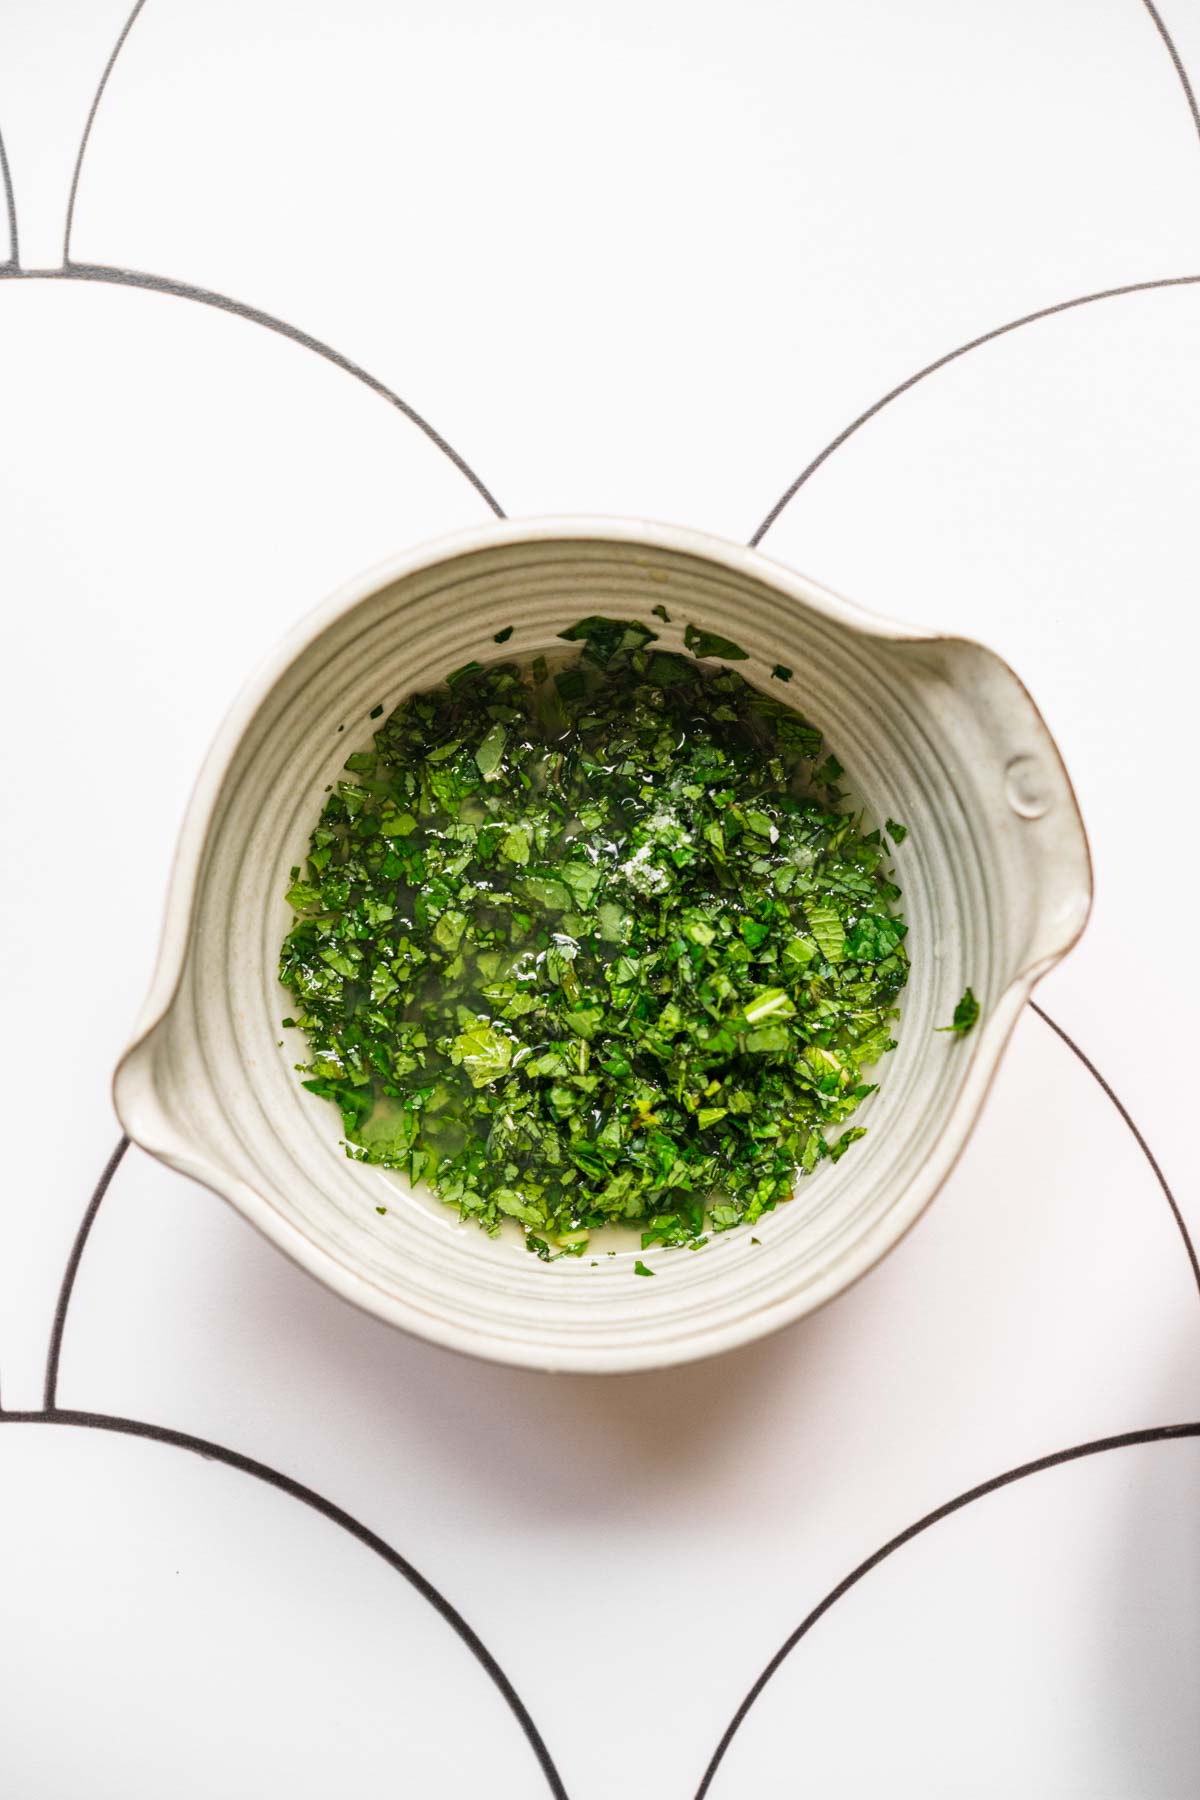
[1092, 1565]
[651, 259]
[640, 257]
[52, 54]
[205, 1634]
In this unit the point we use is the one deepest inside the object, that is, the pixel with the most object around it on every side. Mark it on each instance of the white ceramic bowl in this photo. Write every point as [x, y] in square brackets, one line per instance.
[934, 731]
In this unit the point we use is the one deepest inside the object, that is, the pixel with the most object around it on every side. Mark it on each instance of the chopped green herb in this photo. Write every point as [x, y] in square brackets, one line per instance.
[840, 1145]
[639, 1268]
[781, 672]
[595, 944]
[711, 643]
[660, 612]
[896, 831]
[502, 637]
[966, 1013]
[381, 1209]
[602, 639]
[376, 712]
[490, 754]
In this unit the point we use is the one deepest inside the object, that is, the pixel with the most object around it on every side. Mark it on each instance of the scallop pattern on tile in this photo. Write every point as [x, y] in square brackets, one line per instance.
[1178, 24]
[1041, 490]
[1044, 1298]
[251, 478]
[204, 1634]
[640, 257]
[669, 301]
[52, 55]
[960, 1655]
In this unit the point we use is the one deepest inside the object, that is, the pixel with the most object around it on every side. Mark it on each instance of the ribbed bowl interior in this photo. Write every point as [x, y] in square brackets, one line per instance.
[936, 733]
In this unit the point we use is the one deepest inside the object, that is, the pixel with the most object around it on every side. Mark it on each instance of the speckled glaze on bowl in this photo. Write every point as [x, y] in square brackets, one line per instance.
[935, 731]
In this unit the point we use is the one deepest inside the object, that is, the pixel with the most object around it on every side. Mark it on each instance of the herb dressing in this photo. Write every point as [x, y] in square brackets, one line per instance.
[596, 944]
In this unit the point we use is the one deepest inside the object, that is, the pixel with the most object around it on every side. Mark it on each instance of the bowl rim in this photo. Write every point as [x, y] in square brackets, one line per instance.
[147, 1124]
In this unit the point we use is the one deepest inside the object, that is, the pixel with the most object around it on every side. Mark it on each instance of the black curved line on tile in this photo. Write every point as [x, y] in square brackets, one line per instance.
[1173, 53]
[1153, 1435]
[183, 290]
[1142, 1145]
[50, 1392]
[207, 297]
[10, 205]
[1044, 312]
[87, 129]
[72, 1269]
[296, 1490]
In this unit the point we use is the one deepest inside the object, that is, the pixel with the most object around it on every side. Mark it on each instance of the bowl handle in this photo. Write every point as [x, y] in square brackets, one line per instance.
[1013, 766]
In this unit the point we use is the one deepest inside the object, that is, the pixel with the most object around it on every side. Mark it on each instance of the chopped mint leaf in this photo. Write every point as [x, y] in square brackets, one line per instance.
[768, 1003]
[639, 1268]
[502, 637]
[840, 1145]
[603, 638]
[594, 944]
[711, 643]
[490, 753]
[781, 672]
[825, 923]
[514, 845]
[484, 1052]
[302, 896]
[966, 1013]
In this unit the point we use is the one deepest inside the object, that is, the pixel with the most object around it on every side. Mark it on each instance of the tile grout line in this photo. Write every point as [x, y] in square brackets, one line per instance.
[1056, 1459]
[941, 362]
[328, 1509]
